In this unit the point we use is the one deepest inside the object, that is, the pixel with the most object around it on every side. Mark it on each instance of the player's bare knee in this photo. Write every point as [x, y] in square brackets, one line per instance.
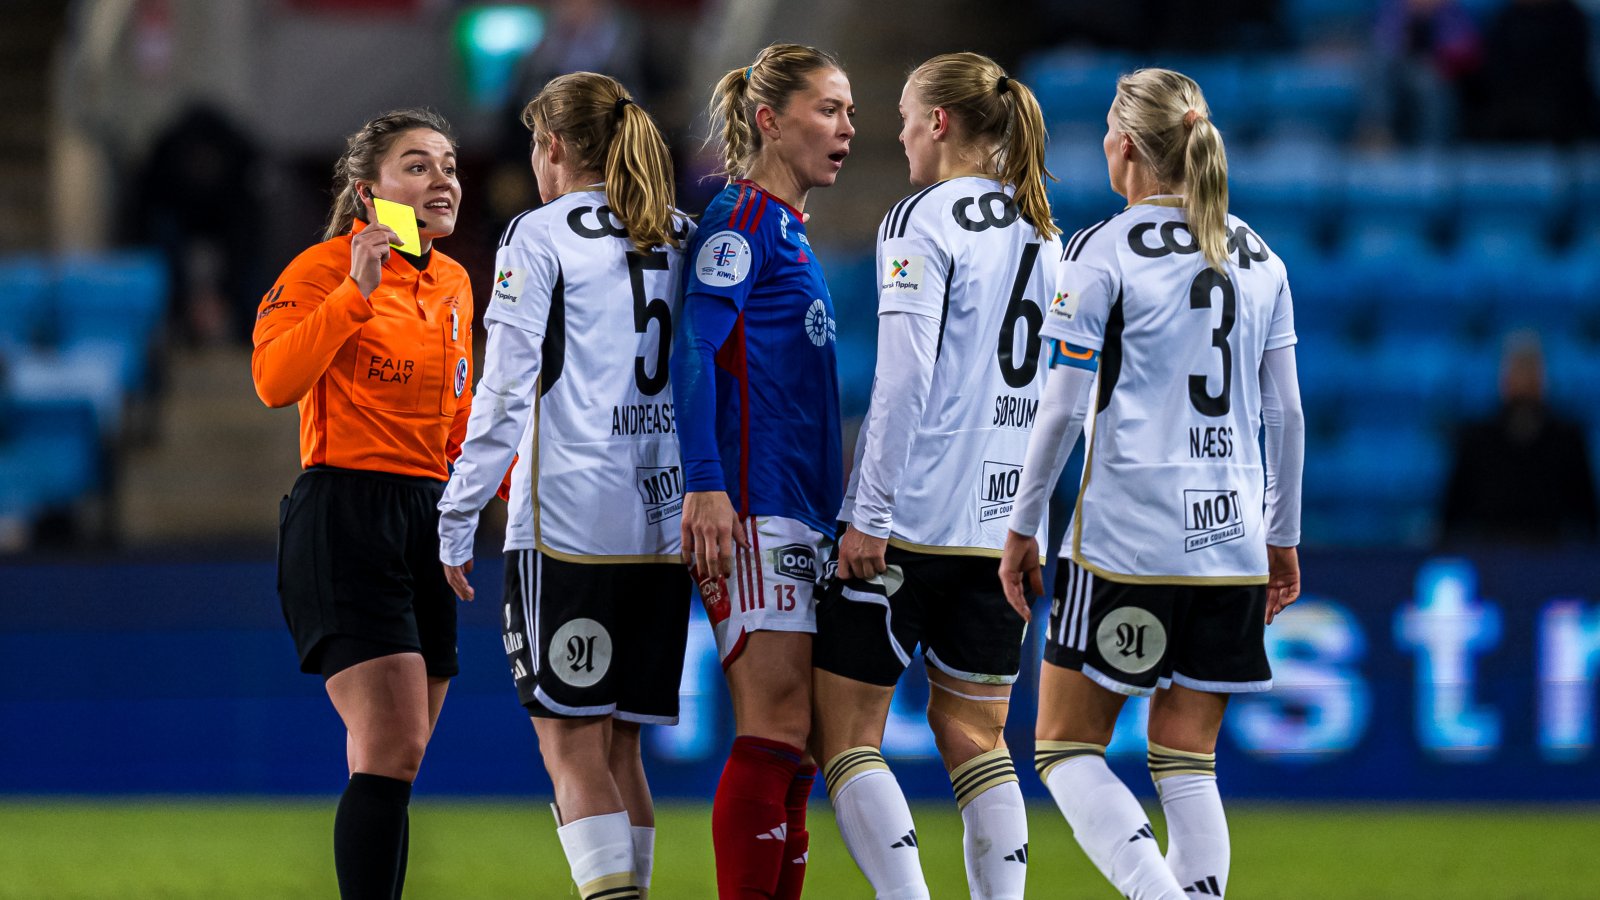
[964, 724]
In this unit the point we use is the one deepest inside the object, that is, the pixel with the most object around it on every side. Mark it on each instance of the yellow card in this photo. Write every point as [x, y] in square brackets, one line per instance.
[403, 219]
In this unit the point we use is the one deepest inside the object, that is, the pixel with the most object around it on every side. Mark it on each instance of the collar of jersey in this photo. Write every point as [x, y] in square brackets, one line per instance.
[799, 216]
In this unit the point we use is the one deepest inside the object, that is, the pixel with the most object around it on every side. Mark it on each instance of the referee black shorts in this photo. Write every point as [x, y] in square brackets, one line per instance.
[358, 567]
[1138, 638]
[953, 606]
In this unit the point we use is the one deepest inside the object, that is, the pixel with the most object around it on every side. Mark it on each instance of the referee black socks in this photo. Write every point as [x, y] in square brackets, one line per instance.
[369, 837]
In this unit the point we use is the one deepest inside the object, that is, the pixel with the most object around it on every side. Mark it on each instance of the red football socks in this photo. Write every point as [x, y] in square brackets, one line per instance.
[795, 851]
[750, 819]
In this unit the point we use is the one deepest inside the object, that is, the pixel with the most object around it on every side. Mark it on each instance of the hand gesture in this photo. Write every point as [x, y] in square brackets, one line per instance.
[711, 529]
[369, 250]
[457, 576]
[1283, 579]
[861, 555]
[1019, 561]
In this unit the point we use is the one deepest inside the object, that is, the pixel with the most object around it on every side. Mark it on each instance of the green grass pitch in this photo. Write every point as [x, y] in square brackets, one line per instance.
[168, 848]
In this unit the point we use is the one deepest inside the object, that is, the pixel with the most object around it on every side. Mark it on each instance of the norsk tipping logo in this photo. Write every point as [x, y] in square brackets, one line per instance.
[899, 267]
[503, 279]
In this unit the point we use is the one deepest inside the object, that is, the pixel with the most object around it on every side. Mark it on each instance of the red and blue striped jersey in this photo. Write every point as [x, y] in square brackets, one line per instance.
[754, 375]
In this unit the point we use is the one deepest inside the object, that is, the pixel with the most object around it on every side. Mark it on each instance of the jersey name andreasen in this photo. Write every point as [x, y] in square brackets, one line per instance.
[609, 484]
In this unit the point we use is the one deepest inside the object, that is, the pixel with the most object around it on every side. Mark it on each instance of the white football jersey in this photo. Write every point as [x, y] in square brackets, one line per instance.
[1172, 482]
[597, 477]
[960, 253]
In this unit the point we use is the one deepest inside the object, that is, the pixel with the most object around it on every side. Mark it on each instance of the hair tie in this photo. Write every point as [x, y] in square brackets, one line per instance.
[1000, 85]
[747, 71]
[616, 109]
[1191, 117]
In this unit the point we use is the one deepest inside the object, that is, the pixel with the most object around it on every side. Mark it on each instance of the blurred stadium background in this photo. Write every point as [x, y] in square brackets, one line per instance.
[1428, 169]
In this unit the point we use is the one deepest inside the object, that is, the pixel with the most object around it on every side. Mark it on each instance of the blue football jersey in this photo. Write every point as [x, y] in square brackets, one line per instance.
[755, 378]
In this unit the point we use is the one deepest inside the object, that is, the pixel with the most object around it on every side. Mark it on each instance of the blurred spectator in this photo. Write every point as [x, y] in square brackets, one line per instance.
[1521, 476]
[193, 200]
[1423, 51]
[1536, 83]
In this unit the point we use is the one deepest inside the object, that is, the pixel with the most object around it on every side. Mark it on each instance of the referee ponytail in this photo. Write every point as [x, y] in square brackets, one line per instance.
[606, 132]
[998, 112]
[1165, 115]
[779, 72]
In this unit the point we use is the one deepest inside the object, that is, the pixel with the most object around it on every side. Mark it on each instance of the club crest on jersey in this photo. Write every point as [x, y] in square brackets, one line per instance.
[797, 561]
[1131, 639]
[901, 275]
[660, 490]
[724, 260]
[1210, 518]
[508, 285]
[461, 375]
[997, 492]
[580, 652]
[819, 325]
[1065, 304]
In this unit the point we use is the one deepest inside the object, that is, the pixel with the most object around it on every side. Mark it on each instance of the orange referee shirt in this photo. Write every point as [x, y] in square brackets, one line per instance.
[383, 383]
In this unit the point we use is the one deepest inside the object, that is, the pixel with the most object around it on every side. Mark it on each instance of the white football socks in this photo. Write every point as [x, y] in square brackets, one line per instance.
[875, 823]
[599, 851]
[995, 825]
[644, 857]
[1107, 820]
[1197, 830]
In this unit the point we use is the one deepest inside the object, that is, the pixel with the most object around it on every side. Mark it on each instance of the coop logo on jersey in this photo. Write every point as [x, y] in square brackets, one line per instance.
[1065, 304]
[797, 561]
[901, 275]
[724, 260]
[1131, 639]
[461, 375]
[819, 325]
[997, 491]
[1211, 518]
[660, 490]
[508, 285]
[580, 652]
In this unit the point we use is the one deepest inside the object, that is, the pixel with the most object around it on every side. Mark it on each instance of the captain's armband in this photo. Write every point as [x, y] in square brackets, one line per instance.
[1065, 354]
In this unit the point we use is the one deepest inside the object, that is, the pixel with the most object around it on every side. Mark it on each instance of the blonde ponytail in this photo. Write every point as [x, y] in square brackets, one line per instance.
[1165, 115]
[1205, 199]
[779, 72]
[605, 132]
[999, 112]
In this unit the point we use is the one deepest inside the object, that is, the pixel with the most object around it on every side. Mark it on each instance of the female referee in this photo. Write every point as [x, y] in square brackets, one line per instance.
[966, 266]
[376, 347]
[1182, 546]
[756, 385]
[596, 604]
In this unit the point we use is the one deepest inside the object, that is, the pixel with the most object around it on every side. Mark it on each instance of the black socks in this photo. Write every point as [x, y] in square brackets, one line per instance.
[369, 837]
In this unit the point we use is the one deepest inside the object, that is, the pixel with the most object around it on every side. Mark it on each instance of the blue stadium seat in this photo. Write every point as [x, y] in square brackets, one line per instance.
[1311, 21]
[26, 288]
[49, 455]
[1522, 189]
[1319, 96]
[113, 304]
[1280, 182]
[1427, 296]
[1073, 85]
[1410, 191]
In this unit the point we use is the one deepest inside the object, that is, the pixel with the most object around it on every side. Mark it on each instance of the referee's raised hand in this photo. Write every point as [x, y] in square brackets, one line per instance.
[1020, 560]
[369, 250]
